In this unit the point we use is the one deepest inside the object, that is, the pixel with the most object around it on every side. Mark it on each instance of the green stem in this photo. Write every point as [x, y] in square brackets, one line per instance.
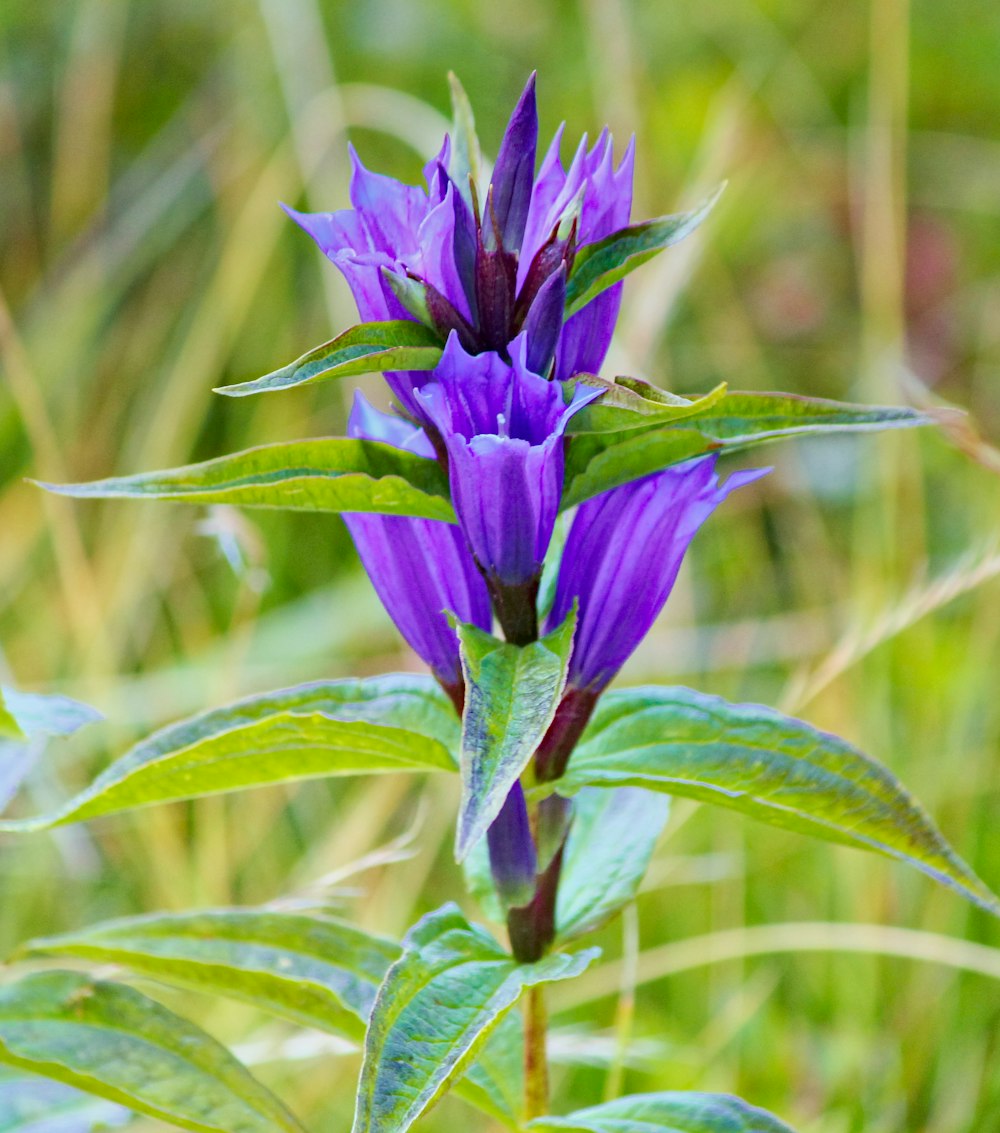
[536, 1066]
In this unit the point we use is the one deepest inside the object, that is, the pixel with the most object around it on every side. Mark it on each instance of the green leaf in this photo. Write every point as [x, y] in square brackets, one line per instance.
[465, 159]
[611, 841]
[736, 422]
[602, 264]
[665, 1113]
[366, 349]
[769, 766]
[111, 1041]
[351, 727]
[38, 1105]
[436, 1008]
[494, 1083]
[631, 403]
[511, 696]
[328, 474]
[24, 715]
[312, 969]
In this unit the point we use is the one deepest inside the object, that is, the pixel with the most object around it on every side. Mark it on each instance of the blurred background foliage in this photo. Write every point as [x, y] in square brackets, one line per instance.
[856, 254]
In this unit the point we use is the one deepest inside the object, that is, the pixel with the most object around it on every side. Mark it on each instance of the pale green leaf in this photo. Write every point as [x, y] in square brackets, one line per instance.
[611, 840]
[366, 349]
[436, 1008]
[736, 422]
[494, 1083]
[328, 474]
[111, 1041]
[42, 714]
[397, 722]
[38, 1105]
[511, 696]
[630, 403]
[466, 158]
[665, 1113]
[602, 264]
[313, 969]
[769, 766]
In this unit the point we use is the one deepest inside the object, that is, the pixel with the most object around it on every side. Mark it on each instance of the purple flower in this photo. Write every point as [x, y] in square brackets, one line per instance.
[485, 261]
[513, 859]
[420, 568]
[622, 557]
[502, 428]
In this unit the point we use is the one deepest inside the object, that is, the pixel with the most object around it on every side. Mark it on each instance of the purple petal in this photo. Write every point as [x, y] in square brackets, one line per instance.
[437, 265]
[371, 424]
[622, 557]
[390, 211]
[585, 337]
[544, 322]
[514, 172]
[513, 859]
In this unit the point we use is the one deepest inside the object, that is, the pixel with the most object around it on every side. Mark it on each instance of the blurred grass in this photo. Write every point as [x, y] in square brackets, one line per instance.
[143, 260]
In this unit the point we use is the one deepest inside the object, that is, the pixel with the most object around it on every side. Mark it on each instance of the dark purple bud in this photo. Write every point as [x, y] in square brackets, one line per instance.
[496, 282]
[544, 322]
[512, 851]
[555, 253]
[514, 172]
[466, 241]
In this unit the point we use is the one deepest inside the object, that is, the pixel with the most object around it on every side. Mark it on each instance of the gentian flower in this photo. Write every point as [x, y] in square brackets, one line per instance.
[502, 429]
[420, 568]
[619, 565]
[513, 859]
[485, 262]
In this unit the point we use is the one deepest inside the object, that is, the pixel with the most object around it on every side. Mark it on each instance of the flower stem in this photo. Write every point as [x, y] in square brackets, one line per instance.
[536, 1066]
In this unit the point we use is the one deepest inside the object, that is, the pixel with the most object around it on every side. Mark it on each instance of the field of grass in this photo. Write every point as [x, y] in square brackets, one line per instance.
[856, 254]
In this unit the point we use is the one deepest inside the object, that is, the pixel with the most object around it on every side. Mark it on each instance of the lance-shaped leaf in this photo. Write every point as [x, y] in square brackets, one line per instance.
[736, 422]
[511, 696]
[24, 715]
[602, 264]
[351, 727]
[312, 969]
[111, 1041]
[631, 403]
[466, 159]
[665, 1113]
[494, 1083]
[38, 1105]
[327, 474]
[610, 842]
[769, 766]
[437, 1006]
[366, 349]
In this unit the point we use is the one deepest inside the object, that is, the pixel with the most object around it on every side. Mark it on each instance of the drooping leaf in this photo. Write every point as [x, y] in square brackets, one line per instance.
[610, 842]
[398, 722]
[630, 403]
[111, 1041]
[327, 474]
[767, 765]
[672, 1112]
[24, 715]
[38, 1105]
[313, 969]
[602, 264]
[494, 1083]
[511, 696]
[366, 349]
[737, 421]
[437, 1006]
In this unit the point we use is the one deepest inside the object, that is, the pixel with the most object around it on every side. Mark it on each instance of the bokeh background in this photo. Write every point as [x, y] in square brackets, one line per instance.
[856, 254]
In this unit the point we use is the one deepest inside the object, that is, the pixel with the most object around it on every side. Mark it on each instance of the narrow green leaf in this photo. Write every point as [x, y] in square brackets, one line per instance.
[511, 696]
[38, 1105]
[437, 1006]
[312, 969]
[350, 727]
[24, 715]
[737, 421]
[494, 1083]
[665, 1113]
[602, 264]
[769, 766]
[611, 841]
[466, 158]
[630, 403]
[327, 474]
[111, 1041]
[371, 348]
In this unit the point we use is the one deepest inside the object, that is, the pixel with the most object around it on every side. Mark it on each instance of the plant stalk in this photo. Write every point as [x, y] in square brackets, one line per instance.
[536, 1065]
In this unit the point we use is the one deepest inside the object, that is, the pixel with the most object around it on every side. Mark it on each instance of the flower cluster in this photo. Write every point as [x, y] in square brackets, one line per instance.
[486, 266]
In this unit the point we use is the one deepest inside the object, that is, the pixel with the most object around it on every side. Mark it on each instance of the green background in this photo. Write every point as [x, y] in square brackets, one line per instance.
[144, 260]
